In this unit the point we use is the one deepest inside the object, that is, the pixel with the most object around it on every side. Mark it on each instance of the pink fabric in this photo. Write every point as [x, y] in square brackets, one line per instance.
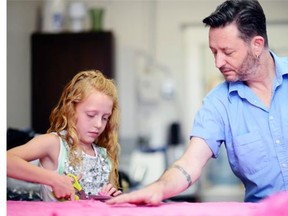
[272, 206]
[92, 208]
[276, 205]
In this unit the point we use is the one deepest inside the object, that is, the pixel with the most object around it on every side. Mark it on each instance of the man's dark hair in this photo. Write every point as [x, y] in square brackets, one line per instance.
[248, 15]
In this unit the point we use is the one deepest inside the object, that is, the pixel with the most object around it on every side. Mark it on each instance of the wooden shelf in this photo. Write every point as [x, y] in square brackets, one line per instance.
[56, 58]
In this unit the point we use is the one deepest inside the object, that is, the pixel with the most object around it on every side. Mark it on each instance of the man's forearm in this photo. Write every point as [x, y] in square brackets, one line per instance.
[174, 181]
[184, 172]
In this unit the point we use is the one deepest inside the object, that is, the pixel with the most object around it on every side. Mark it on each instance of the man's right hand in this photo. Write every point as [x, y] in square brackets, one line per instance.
[150, 195]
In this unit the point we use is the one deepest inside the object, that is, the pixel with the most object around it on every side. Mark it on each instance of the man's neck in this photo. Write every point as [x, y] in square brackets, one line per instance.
[262, 85]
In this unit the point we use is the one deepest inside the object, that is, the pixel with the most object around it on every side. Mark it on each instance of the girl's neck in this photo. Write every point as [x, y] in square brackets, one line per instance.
[88, 149]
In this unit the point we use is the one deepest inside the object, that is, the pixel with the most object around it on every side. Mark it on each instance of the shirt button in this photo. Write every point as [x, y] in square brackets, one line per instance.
[277, 141]
[271, 117]
[284, 165]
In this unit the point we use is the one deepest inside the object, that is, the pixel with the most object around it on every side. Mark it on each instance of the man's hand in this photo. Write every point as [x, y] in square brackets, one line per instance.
[151, 195]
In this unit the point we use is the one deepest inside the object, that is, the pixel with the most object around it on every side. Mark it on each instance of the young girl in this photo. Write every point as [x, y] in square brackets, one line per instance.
[81, 140]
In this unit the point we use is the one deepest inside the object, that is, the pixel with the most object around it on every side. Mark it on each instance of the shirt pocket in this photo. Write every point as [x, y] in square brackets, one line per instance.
[250, 152]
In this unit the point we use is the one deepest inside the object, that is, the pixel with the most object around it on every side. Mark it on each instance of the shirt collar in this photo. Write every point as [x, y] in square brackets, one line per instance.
[281, 65]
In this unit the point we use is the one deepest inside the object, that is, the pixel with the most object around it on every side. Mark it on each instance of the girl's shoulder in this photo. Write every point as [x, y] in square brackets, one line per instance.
[58, 142]
[49, 140]
[60, 138]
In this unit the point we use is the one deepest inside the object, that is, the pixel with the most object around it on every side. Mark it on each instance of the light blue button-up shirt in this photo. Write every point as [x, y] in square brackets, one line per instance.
[255, 136]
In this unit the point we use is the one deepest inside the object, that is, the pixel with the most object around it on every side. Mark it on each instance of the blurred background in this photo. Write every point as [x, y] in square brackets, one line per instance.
[156, 50]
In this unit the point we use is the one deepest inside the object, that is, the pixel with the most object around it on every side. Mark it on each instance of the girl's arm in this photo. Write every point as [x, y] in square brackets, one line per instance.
[45, 148]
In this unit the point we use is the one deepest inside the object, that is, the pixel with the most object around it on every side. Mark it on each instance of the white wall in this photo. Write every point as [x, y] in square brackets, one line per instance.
[152, 27]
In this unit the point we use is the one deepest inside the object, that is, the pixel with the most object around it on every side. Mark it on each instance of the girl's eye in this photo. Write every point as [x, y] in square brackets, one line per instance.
[90, 115]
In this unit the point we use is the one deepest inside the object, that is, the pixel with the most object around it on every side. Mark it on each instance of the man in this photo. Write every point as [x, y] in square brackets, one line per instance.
[248, 113]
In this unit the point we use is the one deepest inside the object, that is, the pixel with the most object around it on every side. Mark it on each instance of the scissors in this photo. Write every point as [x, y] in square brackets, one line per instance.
[80, 193]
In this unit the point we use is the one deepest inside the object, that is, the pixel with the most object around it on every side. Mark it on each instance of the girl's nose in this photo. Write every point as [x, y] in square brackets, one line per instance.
[98, 122]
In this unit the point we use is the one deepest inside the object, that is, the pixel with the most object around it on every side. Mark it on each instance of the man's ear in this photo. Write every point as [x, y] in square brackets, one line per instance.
[257, 45]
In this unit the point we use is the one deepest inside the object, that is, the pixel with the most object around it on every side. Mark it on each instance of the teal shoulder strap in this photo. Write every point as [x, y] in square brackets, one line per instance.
[63, 155]
[103, 151]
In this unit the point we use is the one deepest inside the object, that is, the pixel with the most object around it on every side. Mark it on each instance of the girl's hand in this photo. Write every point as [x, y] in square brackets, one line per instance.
[109, 190]
[63, 188]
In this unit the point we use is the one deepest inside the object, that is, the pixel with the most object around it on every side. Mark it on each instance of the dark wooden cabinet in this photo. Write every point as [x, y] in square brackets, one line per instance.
[56, 58]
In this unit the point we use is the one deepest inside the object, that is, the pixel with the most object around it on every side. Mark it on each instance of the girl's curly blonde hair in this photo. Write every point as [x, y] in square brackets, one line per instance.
[63, 117]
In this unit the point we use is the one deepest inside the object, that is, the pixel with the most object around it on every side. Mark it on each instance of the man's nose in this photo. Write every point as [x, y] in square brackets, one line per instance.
[219, 60]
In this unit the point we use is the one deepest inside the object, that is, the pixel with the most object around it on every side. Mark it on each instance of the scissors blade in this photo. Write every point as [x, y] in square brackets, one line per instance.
[99, 197]
[82, 195]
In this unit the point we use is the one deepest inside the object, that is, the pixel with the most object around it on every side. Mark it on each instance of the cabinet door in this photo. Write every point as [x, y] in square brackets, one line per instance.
[56, 58]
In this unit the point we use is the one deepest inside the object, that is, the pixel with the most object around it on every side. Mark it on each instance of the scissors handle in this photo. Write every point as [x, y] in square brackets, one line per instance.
[76, 183]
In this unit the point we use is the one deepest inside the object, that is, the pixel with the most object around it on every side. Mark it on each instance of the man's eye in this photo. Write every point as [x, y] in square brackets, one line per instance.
[228, 53]
[214, 52]
[90, 115]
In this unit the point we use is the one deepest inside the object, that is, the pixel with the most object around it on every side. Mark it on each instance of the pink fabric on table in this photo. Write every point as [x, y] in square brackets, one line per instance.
[92, 208]
[276, 205]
